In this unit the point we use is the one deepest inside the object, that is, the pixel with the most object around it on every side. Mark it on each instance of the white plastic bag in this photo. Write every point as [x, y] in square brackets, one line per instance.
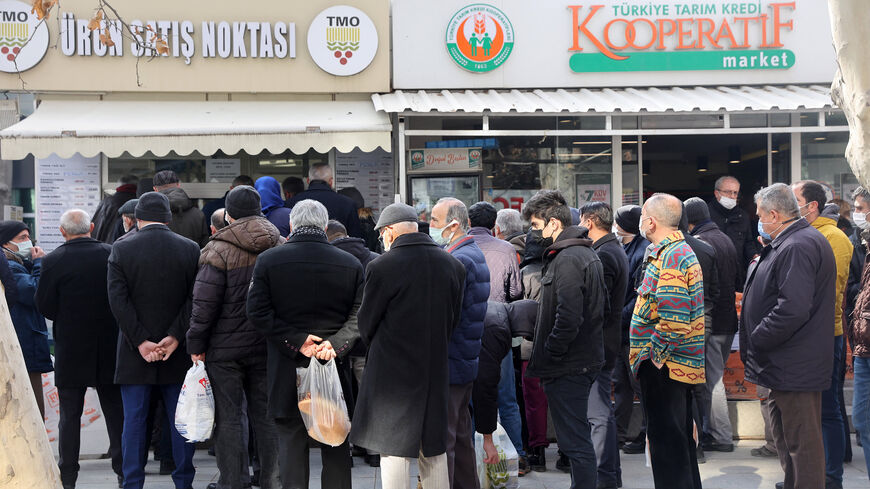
[90, 412]
[194, 413]
[505, 473]
[321, 402]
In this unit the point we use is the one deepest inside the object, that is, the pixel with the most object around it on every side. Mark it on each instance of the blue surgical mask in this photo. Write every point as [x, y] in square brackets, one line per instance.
[762, 233]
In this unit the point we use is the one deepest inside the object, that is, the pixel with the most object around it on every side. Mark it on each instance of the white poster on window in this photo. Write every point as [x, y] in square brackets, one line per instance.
[222, 170]
[63, 184]
[371, 174]
[592, 193]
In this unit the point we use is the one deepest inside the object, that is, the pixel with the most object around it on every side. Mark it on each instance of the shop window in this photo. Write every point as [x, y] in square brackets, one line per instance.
[523, 123]
[682, 121]
[625, 122]
[585, 123]
[748, 120]
[779, 120]
[426, 191]
[631, 190]
[780, 155]
[287, 164]
[188, 170]
[458, 123]
[823, 160]
[809, 119]
[835, 118]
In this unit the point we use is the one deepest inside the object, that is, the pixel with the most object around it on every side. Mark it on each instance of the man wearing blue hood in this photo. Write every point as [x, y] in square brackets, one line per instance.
[273, 204]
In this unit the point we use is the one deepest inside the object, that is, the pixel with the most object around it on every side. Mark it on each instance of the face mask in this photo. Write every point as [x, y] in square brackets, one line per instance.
[538, 237]
[765, 235]
[801, 207]
[642, 231]
[728, 202]
[24, 249]
[860, 220]
[436, 234]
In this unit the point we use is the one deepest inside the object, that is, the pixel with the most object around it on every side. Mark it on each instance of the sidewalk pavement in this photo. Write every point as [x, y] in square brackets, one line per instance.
[738, 470]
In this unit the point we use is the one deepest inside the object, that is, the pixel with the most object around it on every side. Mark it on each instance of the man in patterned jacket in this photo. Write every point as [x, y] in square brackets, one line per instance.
[667, 343]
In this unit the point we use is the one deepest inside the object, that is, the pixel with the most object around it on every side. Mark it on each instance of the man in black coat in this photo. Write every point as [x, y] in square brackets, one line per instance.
[785, 332]
[407, 320]
[734, 222]
[321, 180]
[597, 217]
[151, 277]
[721, 325]
[569, 346]
[106, 219]
[304, 297]
[72, 292]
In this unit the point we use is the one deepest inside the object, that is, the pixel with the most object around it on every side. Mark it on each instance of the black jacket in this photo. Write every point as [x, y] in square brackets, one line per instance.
[724, 314]
[634, 250]
[707, 259]
[356, 247]
[305, 286]
[787, 319]
[151, 277]
[340, 208]
[10, 288]
[615, 266]
[407, 319]
[739, 226]
[219, 325]
[73, 293]
[106, 220]
[495, 344]
[856, 269]
[568, 336]
[187, 219]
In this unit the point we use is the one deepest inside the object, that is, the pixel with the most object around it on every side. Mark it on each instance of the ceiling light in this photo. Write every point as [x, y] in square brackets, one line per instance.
[734, 161]
[820, 138]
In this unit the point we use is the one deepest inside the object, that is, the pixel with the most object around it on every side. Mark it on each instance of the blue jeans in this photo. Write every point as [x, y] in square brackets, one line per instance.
[508, 409]
[833, 433]
[861, 405]
[136, 399]
[568, 398]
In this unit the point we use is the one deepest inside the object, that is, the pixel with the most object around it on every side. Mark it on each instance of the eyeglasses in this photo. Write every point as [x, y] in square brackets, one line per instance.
[729, 193]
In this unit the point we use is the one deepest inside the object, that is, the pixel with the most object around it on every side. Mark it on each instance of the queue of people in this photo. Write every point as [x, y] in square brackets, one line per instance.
[507, 315]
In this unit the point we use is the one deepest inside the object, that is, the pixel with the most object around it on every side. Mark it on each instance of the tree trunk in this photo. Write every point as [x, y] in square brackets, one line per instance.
[26, 460]
[850, 25]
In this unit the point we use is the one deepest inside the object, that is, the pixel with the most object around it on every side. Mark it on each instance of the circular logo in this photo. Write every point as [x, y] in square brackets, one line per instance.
[23, 38]
[480, 38]
[342, 40]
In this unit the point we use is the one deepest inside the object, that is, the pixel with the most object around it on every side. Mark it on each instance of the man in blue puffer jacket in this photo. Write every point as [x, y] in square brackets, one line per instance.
[448, 225]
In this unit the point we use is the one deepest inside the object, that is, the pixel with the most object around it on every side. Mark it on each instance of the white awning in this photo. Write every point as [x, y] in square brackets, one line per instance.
[610, 100]
[113, 128]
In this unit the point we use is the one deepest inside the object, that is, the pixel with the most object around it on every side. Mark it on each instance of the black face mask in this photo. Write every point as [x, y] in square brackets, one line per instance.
[537, 235]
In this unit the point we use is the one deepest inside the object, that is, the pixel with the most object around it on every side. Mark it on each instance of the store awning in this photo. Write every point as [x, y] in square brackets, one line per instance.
[113, 128]
[610, 100]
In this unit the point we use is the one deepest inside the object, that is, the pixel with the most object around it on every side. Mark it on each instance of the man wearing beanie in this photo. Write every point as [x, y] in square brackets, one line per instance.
[221, 333]
[721, 325]
[151, 276]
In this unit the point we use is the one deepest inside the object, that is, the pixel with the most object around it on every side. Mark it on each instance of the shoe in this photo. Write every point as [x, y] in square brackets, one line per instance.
[605, 485]
[563, 464]
[212, 485]
[255, 479]
[120, 482]
[763, 452]
[373, 460]
[635, 447]
[167, 467]
[780, 485]
[537, 459]
[523, 466]
[832, 484]
[358, 451]
[718, 447]
[700, 453]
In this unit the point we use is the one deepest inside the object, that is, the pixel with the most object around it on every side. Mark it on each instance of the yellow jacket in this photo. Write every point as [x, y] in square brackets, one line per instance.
[843, 255]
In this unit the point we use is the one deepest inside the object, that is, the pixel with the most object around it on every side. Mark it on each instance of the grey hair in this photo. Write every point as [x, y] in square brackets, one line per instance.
[778, 197]
[320, 172]
[509, 221]
[861, 193]
[456, 210]
[75, 222]
[666, 208]
[309, 213]
[405, 227]
[721, 180]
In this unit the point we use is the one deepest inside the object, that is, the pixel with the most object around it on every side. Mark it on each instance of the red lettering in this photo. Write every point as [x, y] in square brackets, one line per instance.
[777, 25]
[725, 32]
[663, 32]
[502, 201]
[582, 29]
[681, 34]
[708, 33]
[745, 21]
[517, 203]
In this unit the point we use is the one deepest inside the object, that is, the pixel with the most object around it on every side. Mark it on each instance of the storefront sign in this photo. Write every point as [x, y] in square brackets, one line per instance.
[480, 38]
[452, 159]
[592, 193]
[370, 173]
[578, 44]
[221, 48]
[23, 38]
[63, 184]
[222, 170]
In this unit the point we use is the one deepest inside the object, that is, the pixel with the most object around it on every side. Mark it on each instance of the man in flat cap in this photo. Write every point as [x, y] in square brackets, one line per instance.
[411, 306]
[151, 276]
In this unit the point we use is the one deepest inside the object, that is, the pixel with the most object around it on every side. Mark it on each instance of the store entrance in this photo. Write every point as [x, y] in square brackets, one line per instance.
[688, 166]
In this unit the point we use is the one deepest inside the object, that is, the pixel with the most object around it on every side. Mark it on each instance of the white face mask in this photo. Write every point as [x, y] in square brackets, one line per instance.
[860, 220]
[24, 249]
[728, 202]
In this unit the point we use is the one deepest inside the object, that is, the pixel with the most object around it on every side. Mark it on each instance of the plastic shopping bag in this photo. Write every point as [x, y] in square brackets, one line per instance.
[90, 412]
[194, 413]
[505, 473]
[321, 402]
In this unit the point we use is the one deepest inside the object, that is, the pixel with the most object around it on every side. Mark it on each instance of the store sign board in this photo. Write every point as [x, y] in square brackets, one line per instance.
[262, 47]
[582, 44]
[445, 159]
[63, 184]
[480, 38]
[222, 170]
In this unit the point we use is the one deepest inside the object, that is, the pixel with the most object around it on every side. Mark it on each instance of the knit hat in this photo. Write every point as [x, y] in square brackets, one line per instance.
[10, 229]
[165, 177]
[129, 207]
[628, 218]
[243, 201]
[153, 206]
[696, 210]
[394, 213]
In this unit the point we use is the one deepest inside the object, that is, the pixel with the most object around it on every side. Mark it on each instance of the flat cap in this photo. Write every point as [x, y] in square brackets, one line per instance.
[394, 213]
[129, 207]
